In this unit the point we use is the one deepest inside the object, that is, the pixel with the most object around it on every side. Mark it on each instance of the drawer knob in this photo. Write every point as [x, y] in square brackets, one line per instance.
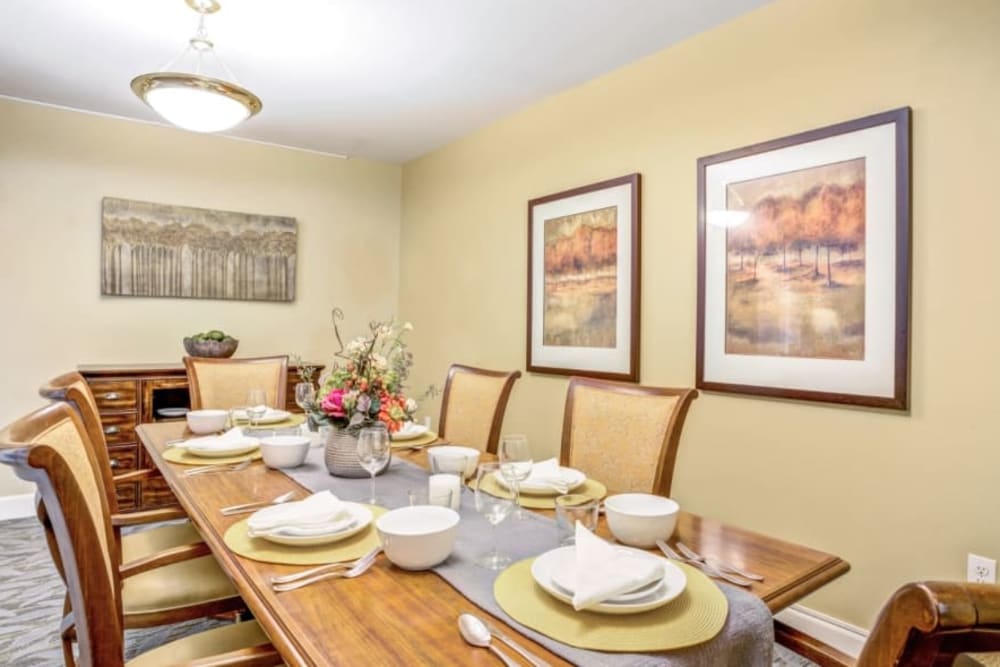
[115, 463]
[112, 396]
[111, 430]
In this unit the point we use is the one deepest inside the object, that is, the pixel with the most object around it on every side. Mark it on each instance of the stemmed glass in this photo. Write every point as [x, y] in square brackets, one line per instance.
[495, 510]
[256, 406]
[515, 465]
[305, 395]
[373, 453]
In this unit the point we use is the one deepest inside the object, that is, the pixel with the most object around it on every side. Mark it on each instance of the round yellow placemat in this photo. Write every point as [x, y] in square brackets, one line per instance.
[294, 420]
[184, 457]
[419, 441]
[591, 489]
[256, 548]
[695, 616]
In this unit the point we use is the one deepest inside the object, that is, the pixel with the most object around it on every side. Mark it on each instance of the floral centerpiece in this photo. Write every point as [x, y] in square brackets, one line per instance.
[366, 385]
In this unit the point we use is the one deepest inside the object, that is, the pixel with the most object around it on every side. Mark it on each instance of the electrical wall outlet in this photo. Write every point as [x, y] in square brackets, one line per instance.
[981, 570]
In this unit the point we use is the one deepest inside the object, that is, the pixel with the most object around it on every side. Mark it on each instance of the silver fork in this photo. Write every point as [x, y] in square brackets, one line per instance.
[218, 467]
[329, 567]
[704, 567]
[715, 562]
[534, 660]
[359, 568]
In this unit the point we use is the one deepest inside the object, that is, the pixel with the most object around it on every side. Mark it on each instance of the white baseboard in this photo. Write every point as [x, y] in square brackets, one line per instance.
[17, 507]
[842, 636]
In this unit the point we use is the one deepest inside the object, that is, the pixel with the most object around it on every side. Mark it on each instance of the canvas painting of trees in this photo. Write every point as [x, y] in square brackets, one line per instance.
[795, 272]
[581, 279]
[176, 251]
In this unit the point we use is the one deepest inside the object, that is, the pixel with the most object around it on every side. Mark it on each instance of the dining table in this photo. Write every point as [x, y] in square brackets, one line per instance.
[391, 616]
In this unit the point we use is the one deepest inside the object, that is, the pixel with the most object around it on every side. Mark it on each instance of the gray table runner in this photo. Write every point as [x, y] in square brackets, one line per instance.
[746, 639]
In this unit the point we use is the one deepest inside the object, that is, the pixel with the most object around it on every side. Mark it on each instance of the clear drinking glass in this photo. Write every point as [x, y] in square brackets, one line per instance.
[256, 406]
[515, 465]
[572, 508]
[495, 510]
[374, 449]
[305, 395]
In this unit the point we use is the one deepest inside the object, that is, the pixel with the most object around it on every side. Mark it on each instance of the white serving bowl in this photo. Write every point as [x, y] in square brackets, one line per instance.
[207, 421]
[639, 519]
[418, 537]
[284, 451]
[471, 457]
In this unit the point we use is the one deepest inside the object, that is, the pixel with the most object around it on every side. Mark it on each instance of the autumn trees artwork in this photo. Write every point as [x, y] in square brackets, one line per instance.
[795, 274]
[175, 251]
[581, 279]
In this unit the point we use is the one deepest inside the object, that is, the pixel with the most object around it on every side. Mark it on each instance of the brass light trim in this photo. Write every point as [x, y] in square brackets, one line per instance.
[144, 83]
[204, 6]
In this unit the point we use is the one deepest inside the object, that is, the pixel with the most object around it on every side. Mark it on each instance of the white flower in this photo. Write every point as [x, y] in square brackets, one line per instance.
[356, 346]
[379, 362]
[410, 406]
[407, 326]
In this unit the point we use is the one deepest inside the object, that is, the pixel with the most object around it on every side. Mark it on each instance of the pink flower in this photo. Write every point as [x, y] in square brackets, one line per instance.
[333, 404]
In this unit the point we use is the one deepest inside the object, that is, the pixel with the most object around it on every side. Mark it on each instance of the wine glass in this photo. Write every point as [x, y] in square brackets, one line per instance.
[305, 395]
[515, 465]
[495, 510]
[256, 406]
[373, 453]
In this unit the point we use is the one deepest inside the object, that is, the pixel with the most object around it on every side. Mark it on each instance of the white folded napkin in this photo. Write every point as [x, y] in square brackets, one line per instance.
[322, 512]
[209, 442]
[548, 473]
[604, 571]
[410, 430]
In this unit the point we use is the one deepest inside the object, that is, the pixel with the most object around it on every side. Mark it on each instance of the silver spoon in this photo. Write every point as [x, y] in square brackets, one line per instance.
[240, 509]
[475, 633]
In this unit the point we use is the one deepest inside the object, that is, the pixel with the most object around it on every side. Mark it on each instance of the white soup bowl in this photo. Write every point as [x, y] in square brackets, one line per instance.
[639, 519]
[447, 452]
[418, 537]
[284, 451]
[206, 421]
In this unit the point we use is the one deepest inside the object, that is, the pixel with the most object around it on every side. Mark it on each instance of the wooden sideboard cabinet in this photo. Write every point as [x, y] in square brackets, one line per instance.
[131, 394]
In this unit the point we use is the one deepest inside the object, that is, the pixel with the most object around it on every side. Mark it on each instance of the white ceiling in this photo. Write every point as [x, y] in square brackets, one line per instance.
[381, 79]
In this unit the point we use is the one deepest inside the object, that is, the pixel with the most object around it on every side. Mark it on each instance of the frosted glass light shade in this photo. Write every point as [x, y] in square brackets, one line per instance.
[196, 103]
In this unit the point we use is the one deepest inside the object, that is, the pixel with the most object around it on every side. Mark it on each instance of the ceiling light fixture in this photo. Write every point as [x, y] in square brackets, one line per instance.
[194, 101]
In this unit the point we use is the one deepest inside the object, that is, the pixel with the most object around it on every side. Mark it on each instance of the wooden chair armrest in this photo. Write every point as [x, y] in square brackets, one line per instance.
[147, 516]
[264, 655]
[929, 610]
[135, 475]
[165, 557]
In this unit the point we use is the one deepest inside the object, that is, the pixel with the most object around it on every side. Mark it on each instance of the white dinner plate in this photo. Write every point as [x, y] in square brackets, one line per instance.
[410, 431]
[573, 478]
[671, 585]
[272, 416]
[172, 412]
[205, 447]
[362, 517]
[565, 578]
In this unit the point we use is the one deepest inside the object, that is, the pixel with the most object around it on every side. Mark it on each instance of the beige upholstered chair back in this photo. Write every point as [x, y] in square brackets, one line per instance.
[473, 406]
[625, 435]
[224, 383]
[48, 447]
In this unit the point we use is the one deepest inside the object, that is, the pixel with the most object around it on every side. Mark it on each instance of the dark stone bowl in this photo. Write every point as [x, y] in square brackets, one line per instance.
[219, 349]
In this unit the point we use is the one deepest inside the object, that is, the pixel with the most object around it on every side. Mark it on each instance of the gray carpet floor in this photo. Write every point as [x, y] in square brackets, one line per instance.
[31, 599]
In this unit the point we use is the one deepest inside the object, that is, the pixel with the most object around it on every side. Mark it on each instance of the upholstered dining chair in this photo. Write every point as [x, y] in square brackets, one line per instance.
[224, 383]
[931, 623]
[473, 405]
[73, 389]
[626, 435]
[46, 448]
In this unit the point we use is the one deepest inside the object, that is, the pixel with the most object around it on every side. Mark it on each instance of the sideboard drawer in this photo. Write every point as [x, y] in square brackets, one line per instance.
[123, 458]
[115, 394]
[127, 495]
[119, 429]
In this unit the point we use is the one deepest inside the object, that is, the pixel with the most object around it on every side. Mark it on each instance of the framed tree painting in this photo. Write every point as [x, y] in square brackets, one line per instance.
[804, 265]
[583, 281]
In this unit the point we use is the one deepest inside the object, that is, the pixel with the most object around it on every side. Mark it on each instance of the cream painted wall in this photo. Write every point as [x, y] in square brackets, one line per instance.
[901, 496]
[55, 166]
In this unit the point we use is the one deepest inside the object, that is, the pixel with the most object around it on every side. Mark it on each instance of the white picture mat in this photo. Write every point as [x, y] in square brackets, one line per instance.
[606, 360]
[875, 374]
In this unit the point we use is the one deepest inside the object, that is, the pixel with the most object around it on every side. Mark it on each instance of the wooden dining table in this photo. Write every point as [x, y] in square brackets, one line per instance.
[389, 616]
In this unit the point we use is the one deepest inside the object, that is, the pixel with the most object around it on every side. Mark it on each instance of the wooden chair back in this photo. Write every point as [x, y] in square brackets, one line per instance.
[473, 406]
[47, 448]
[928, 624]
[615, 431]
[224, 383]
